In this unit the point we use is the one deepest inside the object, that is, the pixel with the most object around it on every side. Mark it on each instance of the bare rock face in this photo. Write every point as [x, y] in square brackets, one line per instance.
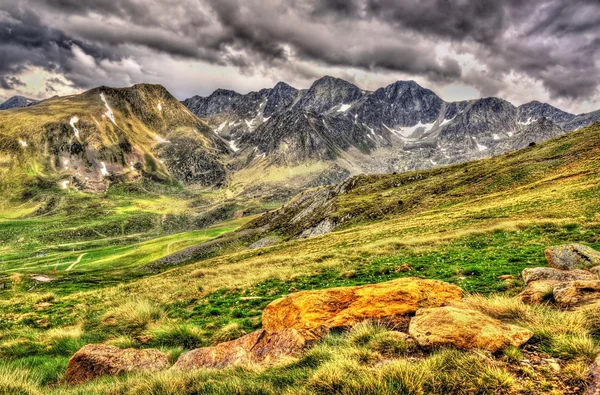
[537, 292]
[578, 294]
[96, 360]
[594, 387]
[263, 347]
[548, 273]
[392, 301]
[464, 329]
[572, 256]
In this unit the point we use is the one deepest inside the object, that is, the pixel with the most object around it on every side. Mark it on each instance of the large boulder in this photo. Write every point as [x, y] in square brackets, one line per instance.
[572, 256]
[537, 292]
[259, 347]
[594, 386]
[392, 302]
[464, 329]
[549, 273]
[95, 360]
[577, 294]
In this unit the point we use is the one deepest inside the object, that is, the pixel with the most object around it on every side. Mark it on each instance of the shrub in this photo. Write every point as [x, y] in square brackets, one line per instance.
[132, 318]
[178, 335]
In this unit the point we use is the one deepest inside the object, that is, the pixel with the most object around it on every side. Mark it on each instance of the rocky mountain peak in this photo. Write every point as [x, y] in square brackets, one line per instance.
[17, 102]
[534, 110]
[280, 97]
[327, 93]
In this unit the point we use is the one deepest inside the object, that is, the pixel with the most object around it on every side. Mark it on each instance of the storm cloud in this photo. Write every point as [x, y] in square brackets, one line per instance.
[485, 45]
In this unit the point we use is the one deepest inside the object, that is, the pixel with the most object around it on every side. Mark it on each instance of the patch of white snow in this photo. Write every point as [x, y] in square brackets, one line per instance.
[23, 143]
[73, 121]
[64, 184]
[232, 145]
[161, 139]
[103, 169]
[344, 107]
[109, 113]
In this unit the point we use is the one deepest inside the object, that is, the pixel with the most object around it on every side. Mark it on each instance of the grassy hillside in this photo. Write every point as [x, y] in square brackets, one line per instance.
[465, 224]
[103, 136]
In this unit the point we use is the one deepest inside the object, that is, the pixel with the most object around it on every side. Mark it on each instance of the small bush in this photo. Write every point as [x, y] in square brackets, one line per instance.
[185, 336]
[513, 354]
[573, 346]
[132, 318]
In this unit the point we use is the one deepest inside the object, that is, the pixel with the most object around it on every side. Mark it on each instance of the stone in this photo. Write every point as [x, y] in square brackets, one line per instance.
[537, 292]
[577, 294]
[594, 386]
[259, 347]
[390, 302]
[506, 277]
[549, 273]
[96, 360]
[572, 256]
[464, 329]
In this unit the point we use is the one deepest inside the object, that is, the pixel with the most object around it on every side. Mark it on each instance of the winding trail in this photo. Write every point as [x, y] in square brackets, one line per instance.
[75, 263]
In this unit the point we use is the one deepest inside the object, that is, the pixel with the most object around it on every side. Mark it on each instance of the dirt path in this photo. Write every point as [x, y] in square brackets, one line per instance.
[75, 263]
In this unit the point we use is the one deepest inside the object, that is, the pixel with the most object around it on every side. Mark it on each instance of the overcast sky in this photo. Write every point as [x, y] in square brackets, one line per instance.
[547, 50]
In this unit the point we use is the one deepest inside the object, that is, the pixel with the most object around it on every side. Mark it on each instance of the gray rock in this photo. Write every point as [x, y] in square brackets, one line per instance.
[265, 242]
[572, 256]
[548, 273]
[577, 294]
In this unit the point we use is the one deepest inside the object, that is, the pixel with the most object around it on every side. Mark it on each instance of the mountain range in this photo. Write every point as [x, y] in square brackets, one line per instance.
[274, 142]
[400, 127]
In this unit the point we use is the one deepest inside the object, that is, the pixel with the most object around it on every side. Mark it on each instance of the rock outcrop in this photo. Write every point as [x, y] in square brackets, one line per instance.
[594, 386]
[537, 292]
[392, 302]
[464, 329]
[262, 347]
[577, 294]
[96, 360]
[549, 273]
[572, 256]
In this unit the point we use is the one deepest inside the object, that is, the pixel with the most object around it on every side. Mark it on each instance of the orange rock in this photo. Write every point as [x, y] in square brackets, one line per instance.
[95, 360]
[537, 292]
[392, 301]
[464, 329]
[578, 294]
[257, 347]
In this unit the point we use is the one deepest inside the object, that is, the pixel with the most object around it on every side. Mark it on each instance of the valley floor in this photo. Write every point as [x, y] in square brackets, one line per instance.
[464, 236]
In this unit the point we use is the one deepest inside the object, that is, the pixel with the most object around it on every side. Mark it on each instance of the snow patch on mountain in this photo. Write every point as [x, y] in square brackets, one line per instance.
[109, 112]
[344, 107]
[72, 122]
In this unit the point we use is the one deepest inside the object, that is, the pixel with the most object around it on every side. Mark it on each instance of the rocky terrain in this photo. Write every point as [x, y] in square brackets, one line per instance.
[423, 316]
[17, 102]
[400, 127]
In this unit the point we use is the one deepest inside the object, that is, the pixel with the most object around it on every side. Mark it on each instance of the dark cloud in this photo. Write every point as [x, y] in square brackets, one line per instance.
[10, 82]
[89, 42]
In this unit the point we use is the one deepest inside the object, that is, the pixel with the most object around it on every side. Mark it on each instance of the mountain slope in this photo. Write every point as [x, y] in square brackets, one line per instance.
[404, 125]
[17, 102]
[107, 135]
